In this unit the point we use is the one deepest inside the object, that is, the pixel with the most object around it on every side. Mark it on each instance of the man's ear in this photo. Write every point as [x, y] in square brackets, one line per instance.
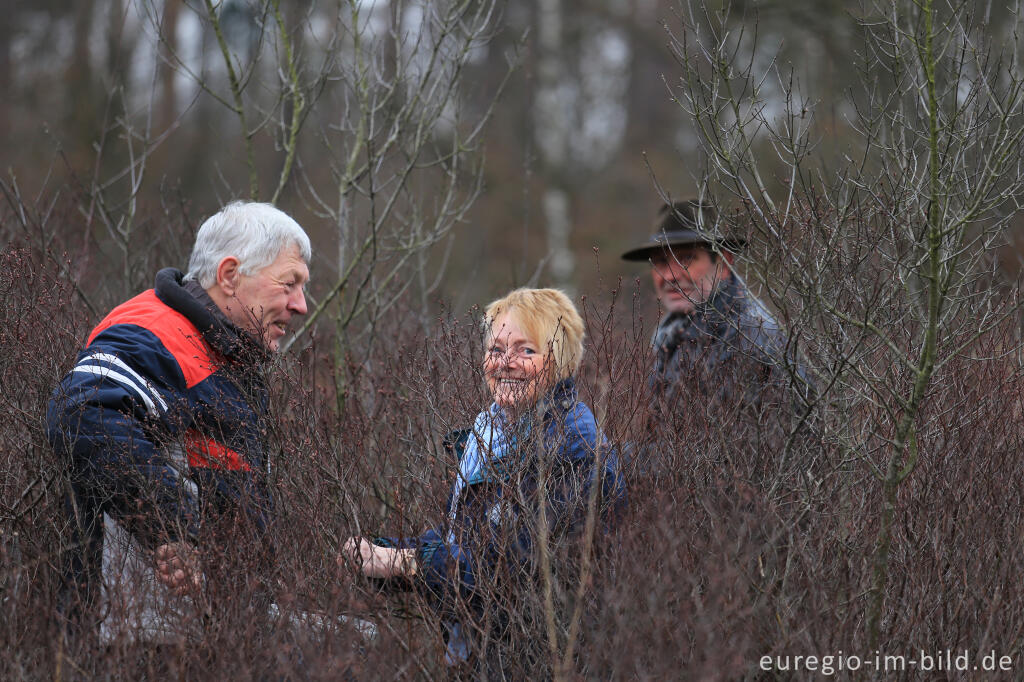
[725, 268]
[228, 275]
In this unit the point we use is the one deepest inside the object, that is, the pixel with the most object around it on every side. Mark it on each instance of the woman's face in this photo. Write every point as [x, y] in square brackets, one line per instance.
[514, 365]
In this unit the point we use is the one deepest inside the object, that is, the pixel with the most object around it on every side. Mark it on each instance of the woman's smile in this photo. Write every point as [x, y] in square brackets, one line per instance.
[515, 365]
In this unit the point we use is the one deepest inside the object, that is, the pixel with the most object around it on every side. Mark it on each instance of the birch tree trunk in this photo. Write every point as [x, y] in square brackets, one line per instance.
[552, 124]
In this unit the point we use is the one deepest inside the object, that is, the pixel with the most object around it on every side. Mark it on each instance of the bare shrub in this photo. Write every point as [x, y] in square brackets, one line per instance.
[725, 553]
[40, 326]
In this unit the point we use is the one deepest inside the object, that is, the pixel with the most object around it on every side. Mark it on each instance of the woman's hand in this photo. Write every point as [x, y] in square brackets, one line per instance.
[378, 562]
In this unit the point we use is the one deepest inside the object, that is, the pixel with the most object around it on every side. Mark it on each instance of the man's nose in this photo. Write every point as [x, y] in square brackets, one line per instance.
[298, 303]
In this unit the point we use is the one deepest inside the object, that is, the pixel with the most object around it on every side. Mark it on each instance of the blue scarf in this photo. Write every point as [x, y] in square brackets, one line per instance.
[488, 444]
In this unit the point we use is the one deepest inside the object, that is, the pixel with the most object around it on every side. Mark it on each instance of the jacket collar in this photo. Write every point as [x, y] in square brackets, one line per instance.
[561, 397]
[709, 319]
[189, 299]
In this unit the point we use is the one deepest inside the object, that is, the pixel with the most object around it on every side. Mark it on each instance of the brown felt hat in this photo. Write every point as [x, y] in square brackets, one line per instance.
[677, 225]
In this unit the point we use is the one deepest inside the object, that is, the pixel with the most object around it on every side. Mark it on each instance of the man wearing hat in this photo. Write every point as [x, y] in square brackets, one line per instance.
[715, 334]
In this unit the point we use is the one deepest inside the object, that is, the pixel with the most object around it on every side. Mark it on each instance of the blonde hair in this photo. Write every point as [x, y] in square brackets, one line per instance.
[549, 319]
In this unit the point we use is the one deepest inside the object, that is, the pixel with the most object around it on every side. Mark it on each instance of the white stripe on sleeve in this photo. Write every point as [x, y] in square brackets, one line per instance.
[121, 364]
[107, 373]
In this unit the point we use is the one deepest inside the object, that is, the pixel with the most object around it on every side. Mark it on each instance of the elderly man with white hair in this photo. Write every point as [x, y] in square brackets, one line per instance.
[161, 423]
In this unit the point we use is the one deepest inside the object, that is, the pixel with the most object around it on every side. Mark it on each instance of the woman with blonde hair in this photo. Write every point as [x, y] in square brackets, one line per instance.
[529, 470]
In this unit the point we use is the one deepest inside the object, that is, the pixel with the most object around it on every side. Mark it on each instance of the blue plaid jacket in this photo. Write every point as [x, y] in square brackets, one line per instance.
[730, 348]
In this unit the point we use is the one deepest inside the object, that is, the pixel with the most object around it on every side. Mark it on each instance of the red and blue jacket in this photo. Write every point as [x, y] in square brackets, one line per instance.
[161, 422]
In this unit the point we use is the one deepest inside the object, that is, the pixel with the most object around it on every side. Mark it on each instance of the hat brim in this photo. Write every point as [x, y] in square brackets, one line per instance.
[660, 242]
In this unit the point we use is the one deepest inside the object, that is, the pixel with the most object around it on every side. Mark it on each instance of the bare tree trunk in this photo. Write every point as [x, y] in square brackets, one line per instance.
[81, 114]
[6, 80]
[558, 221]
[168, 92]
[552, 120]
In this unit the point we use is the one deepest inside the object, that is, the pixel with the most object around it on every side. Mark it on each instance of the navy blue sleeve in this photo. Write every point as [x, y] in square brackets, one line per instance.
[107, 416]
[443, 568]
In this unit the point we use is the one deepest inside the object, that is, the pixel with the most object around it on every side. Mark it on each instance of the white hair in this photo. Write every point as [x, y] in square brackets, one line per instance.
[253, 233]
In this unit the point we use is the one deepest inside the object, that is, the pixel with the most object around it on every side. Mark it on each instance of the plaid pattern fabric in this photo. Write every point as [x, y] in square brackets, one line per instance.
[731, 348]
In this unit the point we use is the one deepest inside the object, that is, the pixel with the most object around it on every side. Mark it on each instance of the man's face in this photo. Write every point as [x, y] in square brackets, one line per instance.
[270, 297]
[686, 276]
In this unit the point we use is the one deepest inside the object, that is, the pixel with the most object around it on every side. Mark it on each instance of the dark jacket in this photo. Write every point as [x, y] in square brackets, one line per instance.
[491, 544]
[161, 424]
[730, 349]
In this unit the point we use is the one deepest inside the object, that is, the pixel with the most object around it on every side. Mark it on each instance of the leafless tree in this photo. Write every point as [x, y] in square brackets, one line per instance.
[880, 261]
